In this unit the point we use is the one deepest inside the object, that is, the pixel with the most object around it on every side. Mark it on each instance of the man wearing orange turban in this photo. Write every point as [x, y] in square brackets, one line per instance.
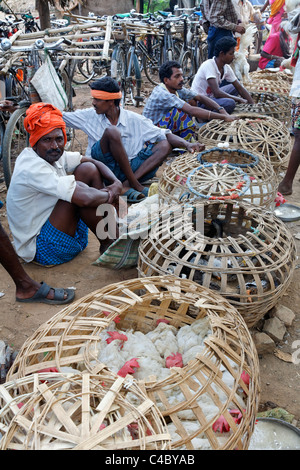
[54, 195]
[125, 141]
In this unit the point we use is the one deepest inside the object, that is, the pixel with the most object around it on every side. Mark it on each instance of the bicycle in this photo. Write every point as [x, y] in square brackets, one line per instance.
[126, 71]
[15, 136]
[194, 51]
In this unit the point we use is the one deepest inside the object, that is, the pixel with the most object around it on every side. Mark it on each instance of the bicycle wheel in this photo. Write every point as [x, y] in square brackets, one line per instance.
[2, 130]
[151, 64]
[15, 140]
[119, 68]
[187, 65]
[133, 81]
[67, 85]
[84, 71]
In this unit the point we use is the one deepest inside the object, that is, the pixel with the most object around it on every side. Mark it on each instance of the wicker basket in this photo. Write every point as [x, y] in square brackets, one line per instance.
[268, 104]
[246, 254]
[202, 176]
[191, 398]
[267, 74]
[268, 83]
[260, 135]
[78, 412]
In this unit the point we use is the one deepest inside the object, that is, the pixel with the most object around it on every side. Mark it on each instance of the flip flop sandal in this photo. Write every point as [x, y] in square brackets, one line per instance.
[59, 296]
[133, 195]
[145, 191]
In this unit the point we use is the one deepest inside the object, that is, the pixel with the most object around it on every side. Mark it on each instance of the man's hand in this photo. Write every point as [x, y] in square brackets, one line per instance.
[240, 29]
[196, 146]
[114, 190]
[230, 118]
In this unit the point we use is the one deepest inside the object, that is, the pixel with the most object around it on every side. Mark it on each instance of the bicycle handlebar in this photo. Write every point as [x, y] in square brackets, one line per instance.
[39, 44]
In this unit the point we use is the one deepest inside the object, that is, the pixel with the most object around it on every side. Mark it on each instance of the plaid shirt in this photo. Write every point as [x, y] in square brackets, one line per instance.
[161, 101]
[220, 13]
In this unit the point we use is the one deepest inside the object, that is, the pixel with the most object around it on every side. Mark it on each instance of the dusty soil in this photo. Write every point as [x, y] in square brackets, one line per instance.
[280, 381]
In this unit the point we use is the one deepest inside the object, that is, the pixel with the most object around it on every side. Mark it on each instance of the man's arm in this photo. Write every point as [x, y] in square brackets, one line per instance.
[115, 188]
[219, 93]
[243, 92]
[208, 103]
[206, 115]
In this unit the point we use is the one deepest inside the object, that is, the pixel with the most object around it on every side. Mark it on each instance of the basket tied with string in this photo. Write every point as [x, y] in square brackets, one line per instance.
[240, 251]
[78, 412]
[185, 179]
[260, 135]
[267, 104]
[218, 377]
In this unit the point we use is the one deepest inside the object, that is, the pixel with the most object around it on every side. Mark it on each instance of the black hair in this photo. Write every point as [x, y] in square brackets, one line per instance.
[108, 84]
[224, 45]
[165, 70]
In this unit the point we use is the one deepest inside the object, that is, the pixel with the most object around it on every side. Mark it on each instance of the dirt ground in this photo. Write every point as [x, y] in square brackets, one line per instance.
[280, 381]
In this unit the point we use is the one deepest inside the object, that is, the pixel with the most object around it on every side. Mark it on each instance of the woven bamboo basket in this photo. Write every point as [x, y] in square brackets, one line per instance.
[201, 176]
[242, 252]
[266, 74]
[268, 104]
[269, 84]
[78, 412]
[191, 398]
[260, 135]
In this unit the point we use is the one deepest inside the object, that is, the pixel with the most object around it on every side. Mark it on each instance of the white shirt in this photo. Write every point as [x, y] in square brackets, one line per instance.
[35, 188]
[207, 70]
[245, 10]
[135, 129]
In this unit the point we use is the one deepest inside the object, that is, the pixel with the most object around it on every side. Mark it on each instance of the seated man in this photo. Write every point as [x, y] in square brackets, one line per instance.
[171, 106]
[276, 48]
[128, 143]
[216, 79]
[53, 195]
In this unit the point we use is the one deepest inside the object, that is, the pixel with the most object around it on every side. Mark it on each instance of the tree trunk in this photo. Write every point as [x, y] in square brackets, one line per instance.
[42, 7]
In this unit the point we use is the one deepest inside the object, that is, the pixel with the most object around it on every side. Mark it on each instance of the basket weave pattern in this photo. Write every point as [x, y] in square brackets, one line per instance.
[191, 398]
[79, 412]
[260, 135]
[245, 254]
[185, 177]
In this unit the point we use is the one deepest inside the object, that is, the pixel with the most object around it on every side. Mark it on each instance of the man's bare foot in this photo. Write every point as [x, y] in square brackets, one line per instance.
[285, 189]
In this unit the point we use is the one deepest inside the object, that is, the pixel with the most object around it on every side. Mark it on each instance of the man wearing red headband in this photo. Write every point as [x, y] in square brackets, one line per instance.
[53, 195]
[125, 141]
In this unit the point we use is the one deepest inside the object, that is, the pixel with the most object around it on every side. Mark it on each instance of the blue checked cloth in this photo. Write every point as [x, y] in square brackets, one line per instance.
[55, 247]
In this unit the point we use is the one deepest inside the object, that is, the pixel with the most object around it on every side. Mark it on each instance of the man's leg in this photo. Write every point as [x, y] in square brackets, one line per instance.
[179, 123]
[111, 143]
[25, 286]
[65, 216]
[286, 185]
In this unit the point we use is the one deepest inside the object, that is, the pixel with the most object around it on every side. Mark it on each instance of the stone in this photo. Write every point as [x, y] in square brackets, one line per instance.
[274, 328]
[285, 314]
[263, 343]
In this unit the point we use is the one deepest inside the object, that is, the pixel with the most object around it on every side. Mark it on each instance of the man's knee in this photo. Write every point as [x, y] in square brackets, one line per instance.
[229, 105]
[85, 171]
[162, 149]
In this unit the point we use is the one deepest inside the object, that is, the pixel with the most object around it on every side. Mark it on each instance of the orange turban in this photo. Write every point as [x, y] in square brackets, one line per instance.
[42, 118]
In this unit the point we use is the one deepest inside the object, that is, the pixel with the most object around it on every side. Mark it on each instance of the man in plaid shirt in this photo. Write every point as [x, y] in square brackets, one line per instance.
[220, 19]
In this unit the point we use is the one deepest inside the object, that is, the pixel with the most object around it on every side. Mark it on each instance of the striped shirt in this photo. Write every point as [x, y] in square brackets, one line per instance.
[161, 101]
[220, 13]
[135, 129]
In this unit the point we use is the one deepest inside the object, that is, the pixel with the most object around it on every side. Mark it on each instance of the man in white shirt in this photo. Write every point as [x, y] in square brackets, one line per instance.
[216, 79]
[126, 142]
[54, 195]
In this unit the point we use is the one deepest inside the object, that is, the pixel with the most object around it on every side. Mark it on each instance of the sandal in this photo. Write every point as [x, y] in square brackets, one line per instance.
[145, 191]
[43, 291]
[133, 195]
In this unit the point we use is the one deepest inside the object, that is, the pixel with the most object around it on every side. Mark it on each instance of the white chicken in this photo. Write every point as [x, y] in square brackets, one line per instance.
[240, 64]
[164, 339]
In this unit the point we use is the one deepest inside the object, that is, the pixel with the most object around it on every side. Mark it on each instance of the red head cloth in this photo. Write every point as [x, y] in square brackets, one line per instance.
[42, 118]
